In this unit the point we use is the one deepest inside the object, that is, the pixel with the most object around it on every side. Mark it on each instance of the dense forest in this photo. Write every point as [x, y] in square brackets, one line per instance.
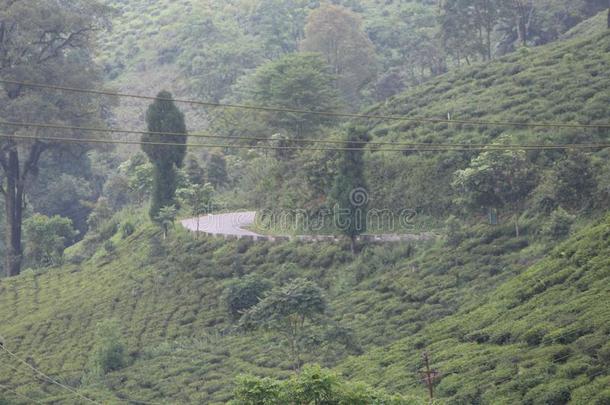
[431, 182]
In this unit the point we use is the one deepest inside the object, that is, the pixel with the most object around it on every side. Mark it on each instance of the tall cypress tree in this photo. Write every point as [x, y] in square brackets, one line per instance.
[349, 190]
[163, 116]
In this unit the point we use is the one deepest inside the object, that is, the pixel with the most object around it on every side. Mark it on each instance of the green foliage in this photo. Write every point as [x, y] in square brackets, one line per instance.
[243, 294]
[166, 218]
[496, 179]
[336, 33]
[288, 310]
[127, 229]
[46, 239]
[349, 191]
[198, 197]
[163, 116]
[301, 81]
[476, 307]
[313, 385]
[217, 170]
[108, 352]
[559, 224]
[195, 174]
[45, 39]
[139, 172]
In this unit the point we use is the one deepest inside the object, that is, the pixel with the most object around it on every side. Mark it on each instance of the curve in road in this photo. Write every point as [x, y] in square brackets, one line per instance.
[222, 224]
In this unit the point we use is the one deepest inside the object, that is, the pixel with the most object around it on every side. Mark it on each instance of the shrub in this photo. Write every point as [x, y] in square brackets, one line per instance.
[108, 353]
[455, 232]
[243, 294]
[46, 238]
[109, 247]
[558, 225]
[313, 385]
[127, 229]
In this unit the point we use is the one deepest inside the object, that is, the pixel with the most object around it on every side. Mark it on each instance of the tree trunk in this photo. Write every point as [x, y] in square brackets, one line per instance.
[517, 226]
[13, 199]
[352, 245]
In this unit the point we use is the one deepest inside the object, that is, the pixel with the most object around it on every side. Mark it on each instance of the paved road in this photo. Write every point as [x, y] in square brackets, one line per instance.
[223, 224]
[232, 224]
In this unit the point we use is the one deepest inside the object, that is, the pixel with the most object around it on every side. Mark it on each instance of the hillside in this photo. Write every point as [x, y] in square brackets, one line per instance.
[508, 315]
[397, 301]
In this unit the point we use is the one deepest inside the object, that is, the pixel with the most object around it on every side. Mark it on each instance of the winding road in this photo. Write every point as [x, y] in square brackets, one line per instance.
[230, 224]
[233, 224]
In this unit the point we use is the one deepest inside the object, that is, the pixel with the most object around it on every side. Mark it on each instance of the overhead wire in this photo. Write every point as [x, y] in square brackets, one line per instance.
[300, 140]
[308, 112]
[17, 394]
[429, 148]
[51, 380]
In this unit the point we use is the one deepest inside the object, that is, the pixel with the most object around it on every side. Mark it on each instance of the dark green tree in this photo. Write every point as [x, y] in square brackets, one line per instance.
[46, 239]
[300, 81]
[163, 116]
[195, 174]
[288, 310]
[349, 192]
[496, 179]
[217, 170]
[44, 41]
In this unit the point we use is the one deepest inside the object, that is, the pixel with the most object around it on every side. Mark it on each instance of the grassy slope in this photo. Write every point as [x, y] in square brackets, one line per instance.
[397, 300]
[566, 81]
[541, 337]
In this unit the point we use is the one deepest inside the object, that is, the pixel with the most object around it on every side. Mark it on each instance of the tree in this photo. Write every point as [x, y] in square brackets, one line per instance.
[166, 218]
[199, 199]
[140, 174]
[46, 238]
[244, 293]
[288, 310]
[195, 174]
[349, 190]
[216, 53]
[45, 41]
[280, 24]
[337, 34]
[299, 81]
[496, 179]
[574, 181]
[467, 26]
[217, 170]
[163, 116]
[313, 386]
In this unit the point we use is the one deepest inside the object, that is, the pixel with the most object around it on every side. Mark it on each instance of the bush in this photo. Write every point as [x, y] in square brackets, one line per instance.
[313, 385]
[46, 238]
[108, 353]
[127, 229]
[455, 231]
[558, 225]
[109, 247]
[243, 294]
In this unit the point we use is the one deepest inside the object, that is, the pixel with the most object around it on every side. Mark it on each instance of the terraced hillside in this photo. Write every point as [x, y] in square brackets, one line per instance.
[393, 301]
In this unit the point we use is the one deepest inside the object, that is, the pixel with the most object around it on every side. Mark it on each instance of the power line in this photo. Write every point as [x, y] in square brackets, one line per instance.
[20, 395]
[429, 148]
[309, 112]
[267, 139]
[47, 377]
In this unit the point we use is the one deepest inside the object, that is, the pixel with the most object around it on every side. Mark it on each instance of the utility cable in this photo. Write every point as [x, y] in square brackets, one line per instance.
[430, 148]
[73, 391]
[266, 139]
[309, 112]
